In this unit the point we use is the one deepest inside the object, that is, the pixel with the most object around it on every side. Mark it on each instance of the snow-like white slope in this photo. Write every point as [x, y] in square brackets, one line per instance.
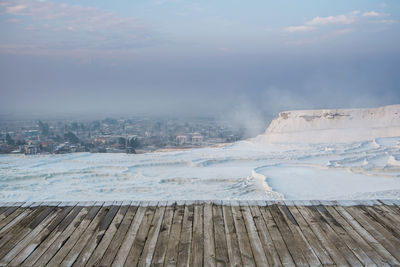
[333, 126]
[314, 160]
[244, 170]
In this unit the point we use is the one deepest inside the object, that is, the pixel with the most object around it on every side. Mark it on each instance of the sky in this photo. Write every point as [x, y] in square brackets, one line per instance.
[201, 58]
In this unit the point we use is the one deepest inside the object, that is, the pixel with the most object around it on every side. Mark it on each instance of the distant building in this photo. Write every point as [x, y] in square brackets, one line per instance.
[47, 146]
[181, 139]
[31, 133]
[62, 148]
[197, 139]
[16, 151]
[31, 149]
[100, 140]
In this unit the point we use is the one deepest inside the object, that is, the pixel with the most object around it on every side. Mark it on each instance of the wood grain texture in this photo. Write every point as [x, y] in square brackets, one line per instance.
[201, 233]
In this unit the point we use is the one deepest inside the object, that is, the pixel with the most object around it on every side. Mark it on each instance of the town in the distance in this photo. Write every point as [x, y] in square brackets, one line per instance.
[112, 135]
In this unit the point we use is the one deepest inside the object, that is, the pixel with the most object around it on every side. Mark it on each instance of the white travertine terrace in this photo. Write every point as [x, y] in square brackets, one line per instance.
[333, 126]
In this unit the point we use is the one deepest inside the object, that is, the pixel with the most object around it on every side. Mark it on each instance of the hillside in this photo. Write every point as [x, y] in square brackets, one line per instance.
[333, 126]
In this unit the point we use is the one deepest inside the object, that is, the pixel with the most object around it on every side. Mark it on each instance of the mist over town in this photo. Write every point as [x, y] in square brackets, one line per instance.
[199, 133]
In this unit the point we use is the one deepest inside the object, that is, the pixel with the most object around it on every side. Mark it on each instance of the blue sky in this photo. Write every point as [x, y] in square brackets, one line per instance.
[175, 56]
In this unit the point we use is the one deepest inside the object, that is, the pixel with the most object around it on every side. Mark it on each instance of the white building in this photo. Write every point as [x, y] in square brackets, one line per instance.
[181, 139]
[31, 149]
[197, 139]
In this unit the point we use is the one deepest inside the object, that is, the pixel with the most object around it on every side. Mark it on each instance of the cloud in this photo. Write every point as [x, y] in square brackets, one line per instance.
[387, 21]
[85, 17]
[77, 27]
[374, 14]
[342, 19]
[14, 20]
[339, 19]
[15, 9]
[301, 28]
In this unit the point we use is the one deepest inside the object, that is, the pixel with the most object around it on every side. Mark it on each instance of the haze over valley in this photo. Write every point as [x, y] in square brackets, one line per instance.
[265, 167]
[169, 99]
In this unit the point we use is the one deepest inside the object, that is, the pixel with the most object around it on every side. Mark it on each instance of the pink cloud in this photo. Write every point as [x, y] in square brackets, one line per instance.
[301, 28]
[374, 14]
[339, 19]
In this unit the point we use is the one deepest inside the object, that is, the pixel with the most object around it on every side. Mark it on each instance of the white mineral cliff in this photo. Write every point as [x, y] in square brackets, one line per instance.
[333, 125]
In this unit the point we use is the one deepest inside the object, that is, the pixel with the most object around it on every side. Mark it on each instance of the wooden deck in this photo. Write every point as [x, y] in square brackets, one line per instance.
[213, 233]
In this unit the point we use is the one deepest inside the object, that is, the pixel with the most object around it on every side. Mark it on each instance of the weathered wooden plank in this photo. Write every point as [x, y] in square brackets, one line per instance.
[231, 237]
[171, 256]
[9, 210]
[7, 205]
[66, 248]
[370, 251]
[383, 207]
[255, 243]
[209, 243]
[42, 255]
[84, 237]
[198, 236]
[97, 235]
[395, 209]
[388, 212]
[265, 236]
[391, 204]
[366, 231]
[299, 237]
[319, 250]
[162, 242]
[333, 251]
[367, 236]
[3, 208]
[101, 248]
[378, 220]
[124, 237]
[151, 241]
[27, 246]
[288, 236]
[341, 232]
[21, 220]
[14, 218]
[19, 233]
[380, 216]
[138, 244]
[243, 238]
[185, 241]
[281, 248]
[142, 214]
[221, 252]
[337, 240]
[40, 246]
[19, 244]
[129, 238]
[378, 231]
